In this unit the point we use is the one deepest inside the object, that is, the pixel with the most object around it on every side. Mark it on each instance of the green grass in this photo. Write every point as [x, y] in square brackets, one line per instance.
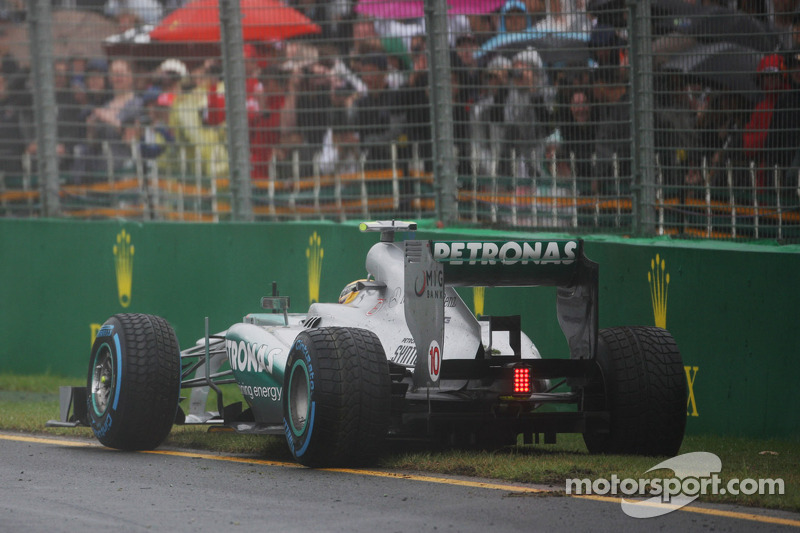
[27, 402]
[44, 383]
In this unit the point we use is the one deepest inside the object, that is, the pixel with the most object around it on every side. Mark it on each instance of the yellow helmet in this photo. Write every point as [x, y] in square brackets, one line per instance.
[350, 292]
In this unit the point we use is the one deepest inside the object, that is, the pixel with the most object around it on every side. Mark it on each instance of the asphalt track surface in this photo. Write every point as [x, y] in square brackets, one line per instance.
[53, 485]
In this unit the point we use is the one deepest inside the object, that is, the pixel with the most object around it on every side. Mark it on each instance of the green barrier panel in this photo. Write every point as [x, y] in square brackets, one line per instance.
[731, 307]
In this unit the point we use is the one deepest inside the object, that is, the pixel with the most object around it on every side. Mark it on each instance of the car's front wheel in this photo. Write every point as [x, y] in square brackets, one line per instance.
[336, 397]
[133, 384]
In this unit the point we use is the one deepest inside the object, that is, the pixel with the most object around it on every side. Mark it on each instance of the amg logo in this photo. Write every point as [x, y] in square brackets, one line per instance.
[509, 253]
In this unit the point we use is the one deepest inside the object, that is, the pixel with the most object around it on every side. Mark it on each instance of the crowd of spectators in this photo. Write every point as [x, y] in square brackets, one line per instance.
[359, 94]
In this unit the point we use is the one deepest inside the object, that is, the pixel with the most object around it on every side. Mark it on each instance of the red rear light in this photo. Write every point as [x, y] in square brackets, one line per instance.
[522, 381]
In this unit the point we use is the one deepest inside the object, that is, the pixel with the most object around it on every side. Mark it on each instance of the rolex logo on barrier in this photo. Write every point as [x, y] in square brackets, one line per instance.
[314, 255]
[123, 264]
[658, 278]
[479, 295]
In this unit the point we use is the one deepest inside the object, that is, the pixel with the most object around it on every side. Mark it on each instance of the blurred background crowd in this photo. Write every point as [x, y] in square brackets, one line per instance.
[542, 98]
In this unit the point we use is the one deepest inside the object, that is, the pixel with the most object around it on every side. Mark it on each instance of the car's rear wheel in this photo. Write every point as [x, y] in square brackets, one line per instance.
[643, 388]
[133, 384]
[336, 397]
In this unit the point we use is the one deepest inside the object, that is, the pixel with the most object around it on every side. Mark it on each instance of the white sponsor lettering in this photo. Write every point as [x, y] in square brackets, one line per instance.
[441, 250]
[510, 253]
[270, 393]
[693, 474]
[490, 250]
[406, 353]
[250, 357]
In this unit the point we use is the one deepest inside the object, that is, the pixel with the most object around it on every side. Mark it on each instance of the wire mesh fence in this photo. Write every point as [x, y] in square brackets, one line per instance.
[650, 118]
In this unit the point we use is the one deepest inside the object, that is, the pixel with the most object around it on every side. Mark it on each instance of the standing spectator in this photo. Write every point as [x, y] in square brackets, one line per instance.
[314, 104]
[325, 92]
[96, 84]
[772, 79]
[719, 127]
[256, 108]
[68, 116]
[578, 134]
[169, 76]
[783, 138]
[254, 90]
[93, 92]
[379, 119]
[487, 117]
[340, 153]
[613, 130]
[526, 114]
[465, 94]
[77, 67]
[110, 128]
[203, 146]
[266, 127]
[157, 142]
[678, 104]
[416, 102]
[463, 98]
[465, 63]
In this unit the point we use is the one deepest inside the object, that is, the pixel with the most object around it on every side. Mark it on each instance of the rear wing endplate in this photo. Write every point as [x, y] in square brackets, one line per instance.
[432, 265]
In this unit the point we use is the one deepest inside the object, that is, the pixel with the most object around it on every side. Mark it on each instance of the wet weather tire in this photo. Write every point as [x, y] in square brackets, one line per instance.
[336, 397]
[644, 390]
[134, 379]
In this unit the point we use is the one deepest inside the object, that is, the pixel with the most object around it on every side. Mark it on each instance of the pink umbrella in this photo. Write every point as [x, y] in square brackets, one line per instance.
[474, 7]
[394, 9]
[410, 9]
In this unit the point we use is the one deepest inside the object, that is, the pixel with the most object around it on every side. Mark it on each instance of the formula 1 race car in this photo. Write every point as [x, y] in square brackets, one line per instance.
[399, 356]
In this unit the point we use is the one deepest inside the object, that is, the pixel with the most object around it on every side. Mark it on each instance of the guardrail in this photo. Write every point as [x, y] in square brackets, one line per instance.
[731, 212]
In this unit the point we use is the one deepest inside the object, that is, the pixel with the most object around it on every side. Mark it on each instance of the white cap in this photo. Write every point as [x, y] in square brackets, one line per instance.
[499, 62]
[174, 65]
[529, 57]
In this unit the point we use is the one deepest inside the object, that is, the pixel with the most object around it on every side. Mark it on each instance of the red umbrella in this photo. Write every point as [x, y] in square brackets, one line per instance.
[262, 20]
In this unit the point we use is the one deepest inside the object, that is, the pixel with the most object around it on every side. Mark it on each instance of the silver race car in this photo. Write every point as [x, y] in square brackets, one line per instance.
[400, 356]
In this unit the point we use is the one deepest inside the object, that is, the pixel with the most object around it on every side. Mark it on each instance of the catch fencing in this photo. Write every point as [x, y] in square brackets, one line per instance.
[656, 117]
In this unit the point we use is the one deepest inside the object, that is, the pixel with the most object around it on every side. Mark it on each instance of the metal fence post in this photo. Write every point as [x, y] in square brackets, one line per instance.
[643, 153]
[41, 48]
[236, 110]
[441, 111]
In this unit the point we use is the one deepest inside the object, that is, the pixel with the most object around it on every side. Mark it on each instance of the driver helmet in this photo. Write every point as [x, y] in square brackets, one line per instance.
[350, 292]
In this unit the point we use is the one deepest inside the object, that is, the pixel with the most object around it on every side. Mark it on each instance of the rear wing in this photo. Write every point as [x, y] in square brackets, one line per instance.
[432, 265]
